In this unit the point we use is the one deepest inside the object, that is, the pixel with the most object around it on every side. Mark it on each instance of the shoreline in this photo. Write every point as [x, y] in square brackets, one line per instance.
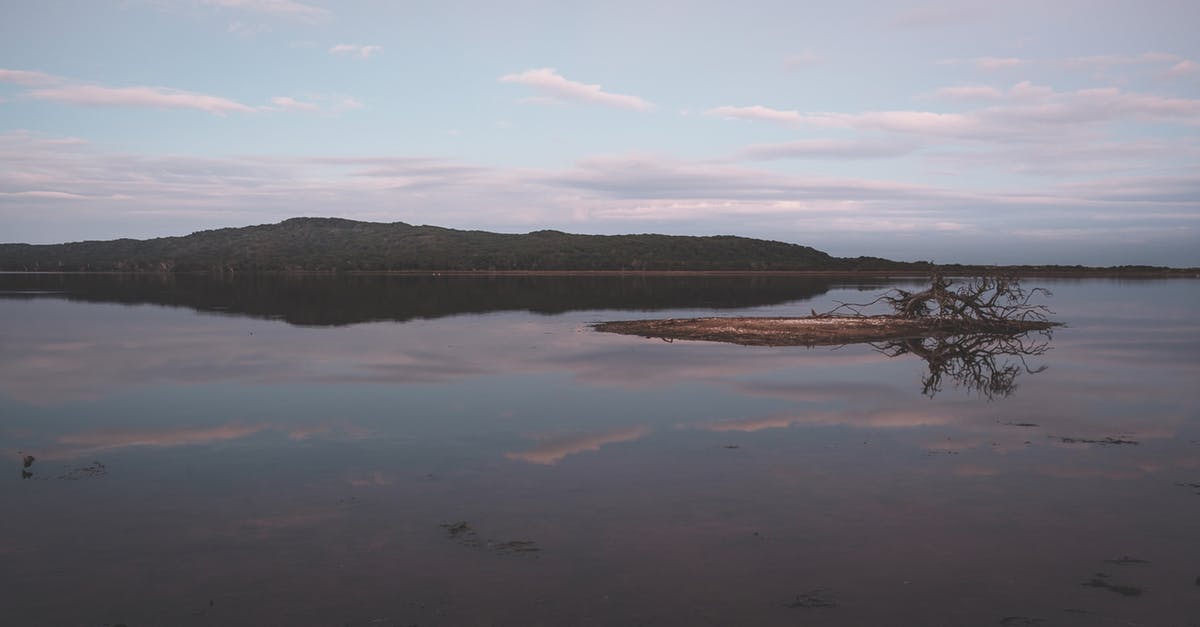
[1066, 273]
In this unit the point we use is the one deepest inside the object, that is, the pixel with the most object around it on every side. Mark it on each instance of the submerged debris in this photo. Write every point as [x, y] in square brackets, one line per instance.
[818, 598]
[462, 533]
[1125, 560]
[1101, 580]
[465, 535]
[516, 546]
[1110, 441]
[89, 471]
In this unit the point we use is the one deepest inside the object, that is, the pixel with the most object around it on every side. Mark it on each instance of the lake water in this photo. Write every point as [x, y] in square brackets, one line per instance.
[437, 451]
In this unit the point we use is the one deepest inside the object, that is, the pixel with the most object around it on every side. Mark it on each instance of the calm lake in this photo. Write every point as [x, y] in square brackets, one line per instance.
[437, 451]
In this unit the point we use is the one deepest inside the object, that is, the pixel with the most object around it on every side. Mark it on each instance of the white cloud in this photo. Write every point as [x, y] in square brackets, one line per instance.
[549, 84]
[355, 50]
[279, 8]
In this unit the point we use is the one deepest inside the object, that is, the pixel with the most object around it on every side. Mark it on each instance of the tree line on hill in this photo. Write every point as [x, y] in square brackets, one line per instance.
[335, 244]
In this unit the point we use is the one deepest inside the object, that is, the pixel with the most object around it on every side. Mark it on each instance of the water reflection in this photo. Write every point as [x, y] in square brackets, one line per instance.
[324, 300]
[255, 472]
[553, 450]
[976, 362]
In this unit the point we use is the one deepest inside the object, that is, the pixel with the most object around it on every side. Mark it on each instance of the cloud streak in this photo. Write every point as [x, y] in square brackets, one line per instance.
[58, 89]
[548, 83]
[47, 87]
[354, 50]
[148, 97]
[1023, 112]
[289, 9]
[610, 193]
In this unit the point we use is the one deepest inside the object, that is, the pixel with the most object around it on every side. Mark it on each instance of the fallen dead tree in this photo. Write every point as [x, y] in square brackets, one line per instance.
[991, 305]
[976, 332]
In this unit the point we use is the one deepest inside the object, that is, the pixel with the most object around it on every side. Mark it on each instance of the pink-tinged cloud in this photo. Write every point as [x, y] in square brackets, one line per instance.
[893, 121]
[825, 149]
[47, 194]
[27, 78]
[969, 92]
[354, 50]
[291, 104]
[797, 61]
[1026, 111]
[1183, 68]
[989, 64]
[280, 8]
[998, 63]
[1094, 64]
[550, 84]
[150, 97]
[553, 451]
[758, 113]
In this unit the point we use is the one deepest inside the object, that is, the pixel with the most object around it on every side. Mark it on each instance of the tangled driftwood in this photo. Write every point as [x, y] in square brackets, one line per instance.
[964, 330]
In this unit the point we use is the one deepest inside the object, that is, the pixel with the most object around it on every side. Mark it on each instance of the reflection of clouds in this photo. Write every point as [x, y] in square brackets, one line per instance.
[370, 479]
[885, 419]
[122, 347]
[554, 450]
[820, 393]
[73, 445]
[975, 470]
[77, 444]
[657, 364]
[1093, 472]
[290, 521]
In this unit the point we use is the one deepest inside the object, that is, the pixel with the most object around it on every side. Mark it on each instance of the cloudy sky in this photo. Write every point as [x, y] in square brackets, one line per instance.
[980, 132]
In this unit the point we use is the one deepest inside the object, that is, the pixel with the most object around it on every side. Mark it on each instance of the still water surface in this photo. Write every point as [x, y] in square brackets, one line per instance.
[404, 451]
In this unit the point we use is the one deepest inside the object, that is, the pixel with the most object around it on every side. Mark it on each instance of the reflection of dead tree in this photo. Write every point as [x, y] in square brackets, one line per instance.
[978, 304]
[974, 361]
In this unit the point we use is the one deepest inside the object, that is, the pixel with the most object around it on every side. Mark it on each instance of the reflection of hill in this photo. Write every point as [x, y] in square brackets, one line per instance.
[339, 300]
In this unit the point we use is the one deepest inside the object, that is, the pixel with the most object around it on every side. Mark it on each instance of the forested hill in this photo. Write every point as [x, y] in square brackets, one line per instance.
[321, 244]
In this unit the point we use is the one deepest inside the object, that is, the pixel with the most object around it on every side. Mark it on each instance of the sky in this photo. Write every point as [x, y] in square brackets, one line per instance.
[1062, 132]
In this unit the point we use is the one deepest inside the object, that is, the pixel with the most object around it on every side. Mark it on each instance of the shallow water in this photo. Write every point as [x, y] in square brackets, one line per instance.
[449, 451]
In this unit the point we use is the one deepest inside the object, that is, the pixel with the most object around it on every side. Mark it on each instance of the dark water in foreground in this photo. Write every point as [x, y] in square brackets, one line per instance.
[401, 451]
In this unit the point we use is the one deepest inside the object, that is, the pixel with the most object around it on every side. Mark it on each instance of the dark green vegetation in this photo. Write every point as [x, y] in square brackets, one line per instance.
[325, 244]
[334, 244]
